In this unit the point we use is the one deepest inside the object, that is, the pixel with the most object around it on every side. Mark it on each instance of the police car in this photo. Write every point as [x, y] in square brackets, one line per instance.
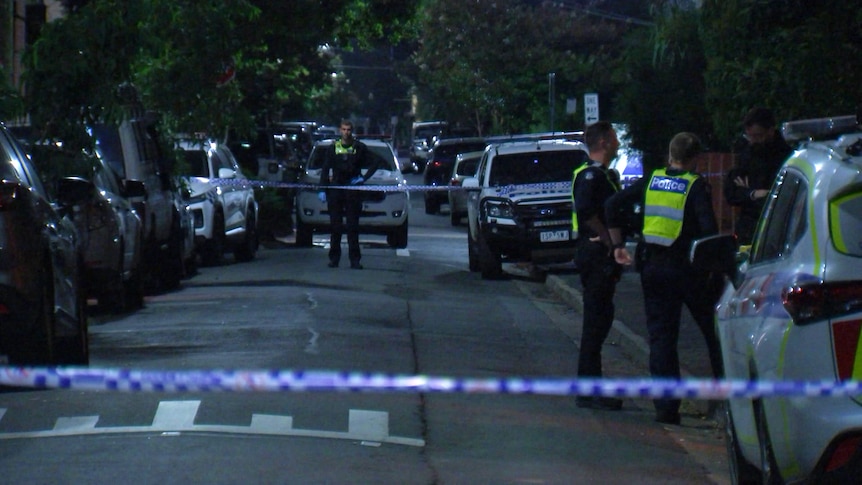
[519, 206]
[794, 313]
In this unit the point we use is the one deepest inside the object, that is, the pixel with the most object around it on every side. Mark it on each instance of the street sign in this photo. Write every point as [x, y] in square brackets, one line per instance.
[591, 108]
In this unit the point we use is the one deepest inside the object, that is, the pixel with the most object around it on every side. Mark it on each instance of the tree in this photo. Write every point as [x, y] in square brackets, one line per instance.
[206, 66]
[661, 83]
[487, 62]
[798, 57]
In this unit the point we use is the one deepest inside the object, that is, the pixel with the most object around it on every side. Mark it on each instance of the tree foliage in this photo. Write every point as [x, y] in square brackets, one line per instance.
[206, 66]
[798, 57]
[487, 62]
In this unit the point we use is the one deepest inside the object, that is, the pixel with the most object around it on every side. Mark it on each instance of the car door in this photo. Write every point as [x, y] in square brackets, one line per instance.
[225, 167]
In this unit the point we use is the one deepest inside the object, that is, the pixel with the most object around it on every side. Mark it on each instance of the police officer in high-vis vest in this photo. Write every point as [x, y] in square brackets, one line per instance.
[677, 209]
[592, 184]
[342, 167]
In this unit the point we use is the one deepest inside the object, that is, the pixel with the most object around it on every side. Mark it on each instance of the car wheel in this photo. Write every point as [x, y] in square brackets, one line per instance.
[213, 250]
[454, 217]
[75, 350]
[490, 264]
[173, 263]
[38, 348]
[113, 298]
[432, 205]
[247, 250]
[769, 471]
[397, 239]
[472, 256]
[741, 471]
[304, 234]
[135, 290]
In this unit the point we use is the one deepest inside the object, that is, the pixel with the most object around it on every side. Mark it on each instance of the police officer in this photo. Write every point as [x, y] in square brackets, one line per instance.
[677, 209]
[342, 165]
[592, 184]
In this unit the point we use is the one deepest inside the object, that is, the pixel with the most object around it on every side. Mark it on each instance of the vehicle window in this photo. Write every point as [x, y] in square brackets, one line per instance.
[782, 228]
[105, 179]
[196, 161]
[535, 167]
[317, 157]
[481, 170]
[380, 155]
[109, 146]
[468, 167]
[8, 160]
[845, 223]
[452, 150]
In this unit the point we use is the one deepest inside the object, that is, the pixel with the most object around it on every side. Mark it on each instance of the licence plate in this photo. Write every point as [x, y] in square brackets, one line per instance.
[553, 236]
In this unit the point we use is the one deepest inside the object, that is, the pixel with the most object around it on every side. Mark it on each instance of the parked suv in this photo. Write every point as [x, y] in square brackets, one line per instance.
[794, 314]
[520, 204]
[134, 151]
[383, 212]
[438, 170]
[222, 202]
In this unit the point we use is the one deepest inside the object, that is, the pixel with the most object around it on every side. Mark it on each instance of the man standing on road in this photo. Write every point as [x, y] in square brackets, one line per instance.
[592, 184]
[342, 167]
[677, 210]
[757, 163]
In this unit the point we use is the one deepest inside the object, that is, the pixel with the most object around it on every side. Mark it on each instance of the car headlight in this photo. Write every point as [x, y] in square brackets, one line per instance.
[499, 209]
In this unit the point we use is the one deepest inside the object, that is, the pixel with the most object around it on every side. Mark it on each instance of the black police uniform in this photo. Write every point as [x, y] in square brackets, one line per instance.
[592, 186]
[669, 280]
[343, 164]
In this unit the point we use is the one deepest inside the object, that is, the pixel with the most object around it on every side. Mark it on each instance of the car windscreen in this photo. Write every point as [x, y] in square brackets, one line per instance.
[535, 167]
[196, 161]
[468, 167]
[109, 146]
[449, 151]
[377, 154]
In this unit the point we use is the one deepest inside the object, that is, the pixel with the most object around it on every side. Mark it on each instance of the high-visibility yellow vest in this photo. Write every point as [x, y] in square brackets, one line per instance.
[575, 174]
[343, 150]
[664, 206]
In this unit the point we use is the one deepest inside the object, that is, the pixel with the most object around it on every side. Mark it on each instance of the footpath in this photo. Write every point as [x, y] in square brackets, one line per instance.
[630, 333]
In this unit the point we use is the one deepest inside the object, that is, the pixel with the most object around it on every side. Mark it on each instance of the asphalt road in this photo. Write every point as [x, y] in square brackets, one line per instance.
[417, 311]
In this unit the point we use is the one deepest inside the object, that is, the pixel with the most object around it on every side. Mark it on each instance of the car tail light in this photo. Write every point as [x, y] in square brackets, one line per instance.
[819, 301]
[9, 194]
[436, 163]
[455, 182]
[845, 342]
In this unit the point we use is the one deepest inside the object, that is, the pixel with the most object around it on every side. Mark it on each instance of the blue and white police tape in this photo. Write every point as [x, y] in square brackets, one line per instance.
[95, 379]
[502, 189]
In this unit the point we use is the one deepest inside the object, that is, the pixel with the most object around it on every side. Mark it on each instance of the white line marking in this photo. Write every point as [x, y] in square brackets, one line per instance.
[369, 428]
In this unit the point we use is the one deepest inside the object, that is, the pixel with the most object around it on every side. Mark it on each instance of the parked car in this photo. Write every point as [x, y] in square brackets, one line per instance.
[793, 313]
[465, 166]
[424, 134]
[520, 204]
[382, 212]
[135, 151]
[109, 227]
[438, 170]
[222, 202]
[42, 303]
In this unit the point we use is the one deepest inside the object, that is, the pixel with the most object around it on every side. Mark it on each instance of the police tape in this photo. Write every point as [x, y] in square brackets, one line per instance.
[503, 189]
[95, 379]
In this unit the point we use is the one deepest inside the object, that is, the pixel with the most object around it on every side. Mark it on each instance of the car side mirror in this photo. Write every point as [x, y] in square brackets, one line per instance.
[716, 254]
[226, 173]
[470, 183]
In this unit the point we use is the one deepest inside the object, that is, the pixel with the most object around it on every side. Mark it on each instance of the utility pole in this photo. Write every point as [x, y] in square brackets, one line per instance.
[551, 96]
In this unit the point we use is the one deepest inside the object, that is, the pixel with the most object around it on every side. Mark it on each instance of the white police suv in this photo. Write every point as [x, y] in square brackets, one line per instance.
[794, 314]
[519, 206]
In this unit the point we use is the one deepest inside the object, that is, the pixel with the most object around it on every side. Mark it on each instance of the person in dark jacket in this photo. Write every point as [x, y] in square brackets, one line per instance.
[677, 209]
[342, 167]
[592, 184]
[759, 156]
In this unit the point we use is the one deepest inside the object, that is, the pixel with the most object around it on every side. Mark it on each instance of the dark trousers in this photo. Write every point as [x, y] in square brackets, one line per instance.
[668, 284]
[344, 209]
[599, 277]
